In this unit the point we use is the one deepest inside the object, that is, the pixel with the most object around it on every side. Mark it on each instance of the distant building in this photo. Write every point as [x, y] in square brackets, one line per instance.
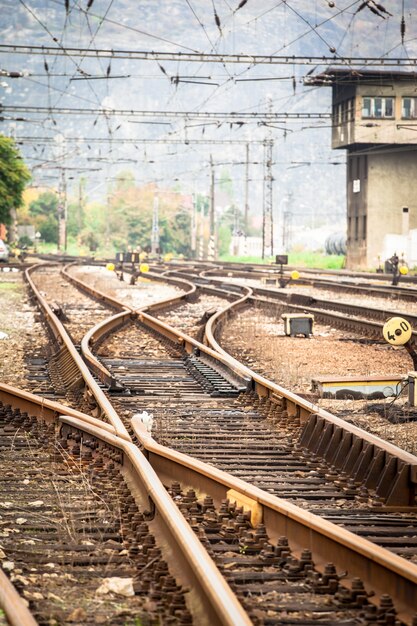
[374, 118]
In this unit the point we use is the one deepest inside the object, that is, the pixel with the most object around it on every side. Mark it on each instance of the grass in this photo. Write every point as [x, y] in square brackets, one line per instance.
[5, 286]
[309, 259]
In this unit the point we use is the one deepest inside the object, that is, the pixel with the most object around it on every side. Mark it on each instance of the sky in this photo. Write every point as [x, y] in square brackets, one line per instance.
[126, 105]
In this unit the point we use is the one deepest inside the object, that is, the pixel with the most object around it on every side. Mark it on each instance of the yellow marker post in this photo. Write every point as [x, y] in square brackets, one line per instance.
[110, 267]
[144, 267]
[403, 270]
[295, 275]
[397, 331]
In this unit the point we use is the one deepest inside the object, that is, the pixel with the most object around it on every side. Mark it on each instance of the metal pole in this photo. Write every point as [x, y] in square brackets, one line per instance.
[211, 251]
[155, 225]
[62, 211]
[268, 224]
[194, 227]
[269, 196]
[247, 190]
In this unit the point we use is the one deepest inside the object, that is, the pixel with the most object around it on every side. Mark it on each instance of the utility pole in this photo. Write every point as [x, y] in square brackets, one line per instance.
[246, 214]
[155, 225]
[287, 225]
[200, 251]
[268, 222]
[81, 201]
[247, 191]
[194, 226]
[62, 213]
[236, 230]
[211, 255]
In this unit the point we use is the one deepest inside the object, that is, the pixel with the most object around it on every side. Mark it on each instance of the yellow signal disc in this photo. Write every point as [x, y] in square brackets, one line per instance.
[397, 331]
[295, 275]
[403, 270]
[144, 267]
[110, 267]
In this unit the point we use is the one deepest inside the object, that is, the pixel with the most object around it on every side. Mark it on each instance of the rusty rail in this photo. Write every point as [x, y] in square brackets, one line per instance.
[212, 600]
[64, 340]
[13, 605]
[401, 467]
[381, 466]
[376, 566]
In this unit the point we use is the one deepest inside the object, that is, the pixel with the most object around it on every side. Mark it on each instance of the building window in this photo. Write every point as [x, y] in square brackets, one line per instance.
[343, 112]
[377, 107]
[409, 109]
[351, 109]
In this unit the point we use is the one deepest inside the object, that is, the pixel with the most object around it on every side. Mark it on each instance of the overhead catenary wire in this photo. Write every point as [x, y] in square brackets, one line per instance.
[253, 59]
[225, 115]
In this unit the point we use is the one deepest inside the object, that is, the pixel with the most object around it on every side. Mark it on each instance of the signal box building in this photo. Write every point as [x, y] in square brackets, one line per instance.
[374, 118]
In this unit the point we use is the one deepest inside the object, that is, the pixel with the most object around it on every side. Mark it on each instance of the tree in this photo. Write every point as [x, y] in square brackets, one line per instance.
[76, 211]
[13, 177]
[44, 211]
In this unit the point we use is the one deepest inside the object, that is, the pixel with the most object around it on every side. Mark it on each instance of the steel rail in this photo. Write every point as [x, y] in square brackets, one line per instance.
[379, 568]
[325, 315]
[118, 304]
[397, 482]
[13, 605]
[301, 300]
[264, 387]
[107, 326]
[191, 344]
[261, 385]
[341, 320]
[97, 294]
[268, 271]
[98, 332]
[251, 268]
[103, 328]
[211, 596]
[64, 340]
[44, 409]
[219, 603]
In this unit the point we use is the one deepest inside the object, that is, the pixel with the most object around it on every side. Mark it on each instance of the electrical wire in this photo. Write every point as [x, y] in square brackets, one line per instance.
[128, 27]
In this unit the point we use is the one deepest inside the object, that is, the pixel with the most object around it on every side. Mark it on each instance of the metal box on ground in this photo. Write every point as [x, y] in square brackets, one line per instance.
[298, 324]
[358, 388]
[269, 280]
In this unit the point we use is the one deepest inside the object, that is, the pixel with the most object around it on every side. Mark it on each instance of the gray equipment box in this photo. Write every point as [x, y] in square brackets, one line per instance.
[298, 324]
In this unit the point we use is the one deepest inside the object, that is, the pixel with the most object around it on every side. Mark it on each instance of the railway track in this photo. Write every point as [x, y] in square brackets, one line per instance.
[342, 282]
[363, 320]
[70, 523]
[196, 440]
[188, 388]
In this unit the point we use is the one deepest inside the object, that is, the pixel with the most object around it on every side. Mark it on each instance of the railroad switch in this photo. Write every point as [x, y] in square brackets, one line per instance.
[298, 324]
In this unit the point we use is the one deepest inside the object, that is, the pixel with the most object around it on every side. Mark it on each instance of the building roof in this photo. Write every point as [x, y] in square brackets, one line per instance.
[337, 76]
